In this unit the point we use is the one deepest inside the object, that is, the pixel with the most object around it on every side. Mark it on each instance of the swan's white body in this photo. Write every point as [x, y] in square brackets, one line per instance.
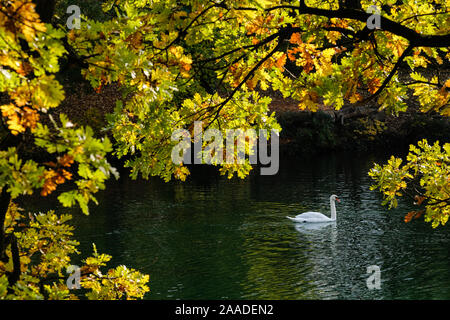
[311, 217]
[315, 217]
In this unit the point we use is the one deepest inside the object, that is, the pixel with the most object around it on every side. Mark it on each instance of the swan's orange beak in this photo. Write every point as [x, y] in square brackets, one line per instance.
[338, 200]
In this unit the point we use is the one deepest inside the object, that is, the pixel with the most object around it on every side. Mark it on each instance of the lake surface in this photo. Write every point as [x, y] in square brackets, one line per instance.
[214, 238]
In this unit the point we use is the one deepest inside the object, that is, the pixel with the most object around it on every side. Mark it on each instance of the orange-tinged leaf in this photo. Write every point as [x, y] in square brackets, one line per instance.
[355, 98]
[281, 62]
[59, 179]
[374, 84]
[49, 183]
[291, 54]
[295, 38]
[8, 110]
[66, 174]
[419, 199]
[24, 69]
[409, 216]
[66, 160]
[413, 214]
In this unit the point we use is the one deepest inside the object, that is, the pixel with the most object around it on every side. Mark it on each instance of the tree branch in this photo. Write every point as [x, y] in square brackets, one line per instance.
[247, 77]
[416, 39]
[5, 198]
[15, 274]
[391, 74]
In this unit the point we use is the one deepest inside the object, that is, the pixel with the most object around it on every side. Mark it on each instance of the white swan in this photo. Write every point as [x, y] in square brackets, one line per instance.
[317, 216]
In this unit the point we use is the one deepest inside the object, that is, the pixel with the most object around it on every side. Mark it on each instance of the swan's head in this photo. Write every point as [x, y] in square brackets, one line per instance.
[335, 198]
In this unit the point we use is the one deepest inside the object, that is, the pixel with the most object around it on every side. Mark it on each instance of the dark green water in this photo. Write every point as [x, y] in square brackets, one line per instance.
[214, 238]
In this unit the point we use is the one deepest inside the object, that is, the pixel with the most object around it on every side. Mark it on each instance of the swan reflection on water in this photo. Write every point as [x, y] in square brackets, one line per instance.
[302, 227]
[320, 231]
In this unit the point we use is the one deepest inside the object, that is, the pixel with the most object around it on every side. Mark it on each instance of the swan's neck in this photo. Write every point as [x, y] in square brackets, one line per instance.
[333, 210]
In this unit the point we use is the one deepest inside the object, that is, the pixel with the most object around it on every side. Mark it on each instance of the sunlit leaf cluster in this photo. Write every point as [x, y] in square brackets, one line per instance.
[47, 249]
[424, 177]
[163, 52]
[30, 53]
